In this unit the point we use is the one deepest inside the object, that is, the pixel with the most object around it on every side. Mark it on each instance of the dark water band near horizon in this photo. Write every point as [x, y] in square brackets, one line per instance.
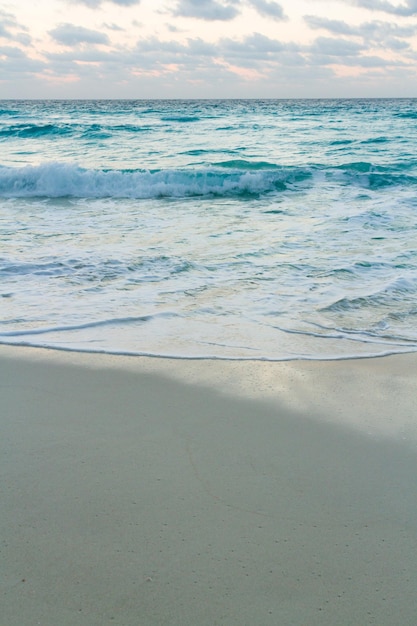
[243, 229]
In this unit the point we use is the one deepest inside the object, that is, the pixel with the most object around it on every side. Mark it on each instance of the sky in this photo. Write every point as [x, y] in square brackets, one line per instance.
[208, 48]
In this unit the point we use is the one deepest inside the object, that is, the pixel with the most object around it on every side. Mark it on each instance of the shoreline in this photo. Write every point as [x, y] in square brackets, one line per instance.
[209, 357]
[162, 491]
[392, 350]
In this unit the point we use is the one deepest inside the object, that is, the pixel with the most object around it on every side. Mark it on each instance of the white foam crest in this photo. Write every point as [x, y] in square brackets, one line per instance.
[56, 180]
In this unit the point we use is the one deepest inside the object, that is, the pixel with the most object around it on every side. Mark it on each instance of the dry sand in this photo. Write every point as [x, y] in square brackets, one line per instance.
[145, 492]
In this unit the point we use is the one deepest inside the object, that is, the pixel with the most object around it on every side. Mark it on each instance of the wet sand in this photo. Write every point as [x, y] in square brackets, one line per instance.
[159, 492]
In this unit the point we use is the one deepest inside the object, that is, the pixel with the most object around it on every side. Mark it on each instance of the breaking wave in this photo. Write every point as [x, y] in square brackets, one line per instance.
[230, 178]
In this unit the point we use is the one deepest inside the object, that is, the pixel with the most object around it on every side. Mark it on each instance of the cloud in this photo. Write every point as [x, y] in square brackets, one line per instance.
[9, 26]
[254, 48]
[206, 10]
[172, 28]
[408, 9]
[192, 60]
[250, 52]
[226, 10]
[94, 4]
[11, 52]
[159, 61]
[330, 46]
[7, 21]
[269, 8]
[383, 34]
[337, 27]
[71, 35]
[114, 27]
[199, 60]
[71, 58]
[155, 54]
[14, 63]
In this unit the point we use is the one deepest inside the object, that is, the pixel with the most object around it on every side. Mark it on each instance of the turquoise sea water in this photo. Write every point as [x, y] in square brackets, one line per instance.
[229, 229]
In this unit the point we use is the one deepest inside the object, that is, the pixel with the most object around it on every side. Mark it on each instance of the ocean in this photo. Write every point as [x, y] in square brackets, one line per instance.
[236, 229]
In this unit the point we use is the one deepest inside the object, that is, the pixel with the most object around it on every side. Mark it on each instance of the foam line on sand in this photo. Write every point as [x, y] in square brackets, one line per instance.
[158, 492]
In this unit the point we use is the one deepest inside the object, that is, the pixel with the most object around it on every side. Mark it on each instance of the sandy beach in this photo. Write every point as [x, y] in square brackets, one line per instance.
[150, 492]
